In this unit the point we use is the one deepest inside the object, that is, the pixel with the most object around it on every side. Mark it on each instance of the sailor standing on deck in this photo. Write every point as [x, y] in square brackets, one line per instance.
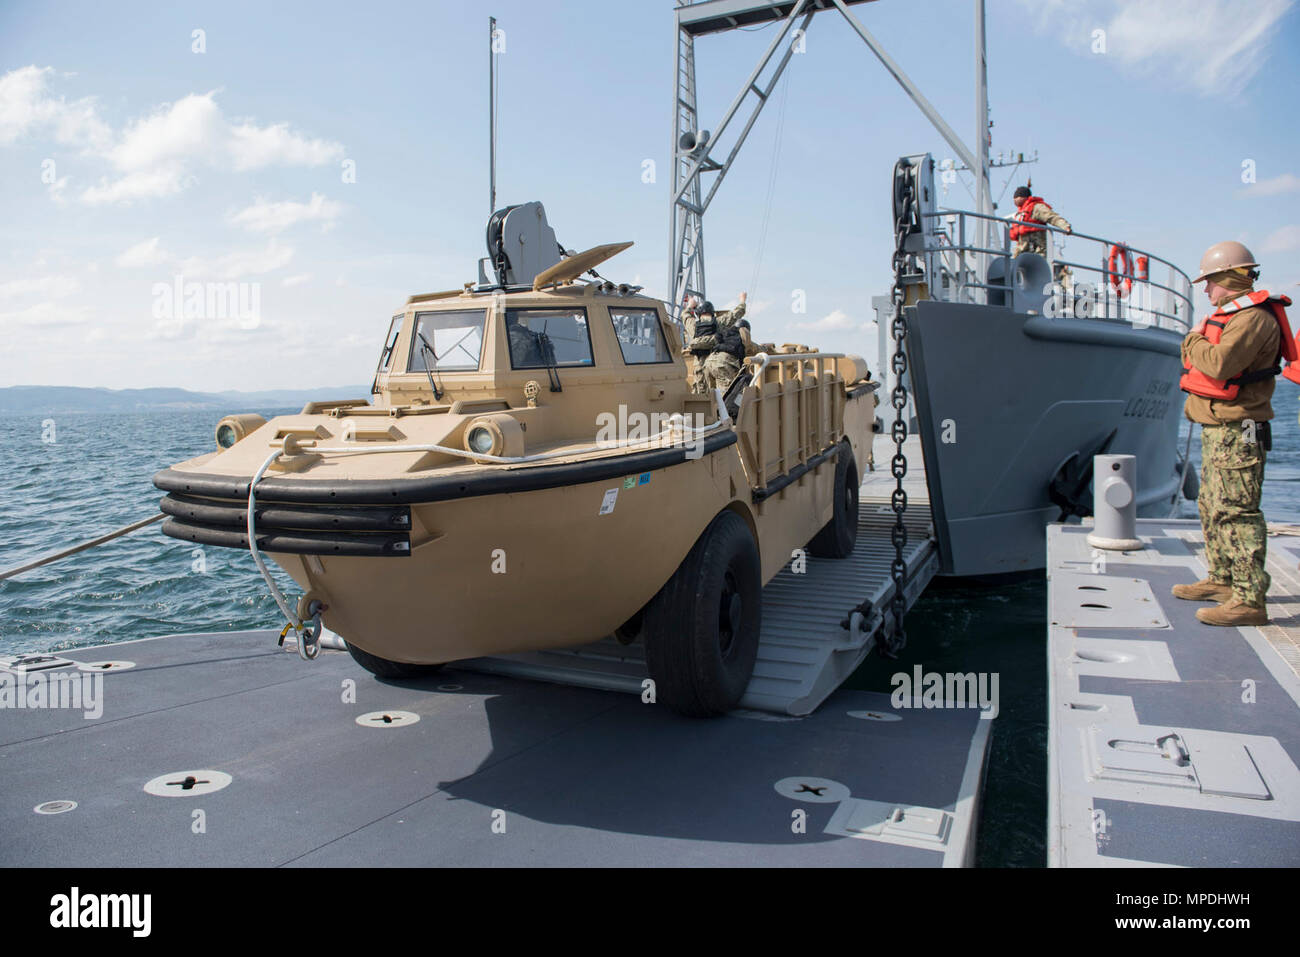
[1231, 359]
[1031, 209]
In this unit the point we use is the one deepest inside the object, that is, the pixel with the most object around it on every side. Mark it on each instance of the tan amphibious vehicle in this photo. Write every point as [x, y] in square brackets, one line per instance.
[532, 471]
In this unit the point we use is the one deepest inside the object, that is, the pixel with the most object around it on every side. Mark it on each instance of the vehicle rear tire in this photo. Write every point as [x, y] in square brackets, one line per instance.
[702, 629]
[839, 536]
[383, 668]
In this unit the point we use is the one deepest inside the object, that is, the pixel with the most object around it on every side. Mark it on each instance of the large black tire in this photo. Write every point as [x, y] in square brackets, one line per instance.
[838, 536]
[383, 668]
[701, 630]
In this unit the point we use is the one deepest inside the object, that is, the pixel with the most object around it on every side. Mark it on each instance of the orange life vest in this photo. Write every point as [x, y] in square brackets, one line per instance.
[1198, 383]
[1024, 216]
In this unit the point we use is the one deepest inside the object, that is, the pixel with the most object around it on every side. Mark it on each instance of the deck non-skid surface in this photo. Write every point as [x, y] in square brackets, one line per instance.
[1172, 742]
[496, 771]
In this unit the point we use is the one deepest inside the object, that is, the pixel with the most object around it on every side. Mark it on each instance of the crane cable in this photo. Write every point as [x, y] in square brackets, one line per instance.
[771, 183]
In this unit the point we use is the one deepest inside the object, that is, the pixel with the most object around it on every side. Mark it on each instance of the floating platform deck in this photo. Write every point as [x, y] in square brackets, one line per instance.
[1172, 742]
[221, 749]
[321, 764]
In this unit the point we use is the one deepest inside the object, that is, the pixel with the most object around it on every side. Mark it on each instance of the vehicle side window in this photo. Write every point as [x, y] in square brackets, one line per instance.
[390, 343]
[447, 341]
[539, 337]
[639, 336]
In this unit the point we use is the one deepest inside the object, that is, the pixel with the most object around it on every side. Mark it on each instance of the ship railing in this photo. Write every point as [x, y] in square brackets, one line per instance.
[960, 271]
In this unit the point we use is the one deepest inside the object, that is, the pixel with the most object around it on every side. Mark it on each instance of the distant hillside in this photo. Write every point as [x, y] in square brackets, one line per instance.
[57, 398]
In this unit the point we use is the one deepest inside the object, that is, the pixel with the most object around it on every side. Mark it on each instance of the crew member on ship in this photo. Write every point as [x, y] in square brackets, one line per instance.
[1031, 209]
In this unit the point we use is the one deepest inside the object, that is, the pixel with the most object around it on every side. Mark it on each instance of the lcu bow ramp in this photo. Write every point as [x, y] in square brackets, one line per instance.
[1172, 742]
[461, 768]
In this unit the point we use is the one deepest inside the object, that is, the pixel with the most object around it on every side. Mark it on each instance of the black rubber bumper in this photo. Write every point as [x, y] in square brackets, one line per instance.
[368, 517]
[292, 542]
[322, 518]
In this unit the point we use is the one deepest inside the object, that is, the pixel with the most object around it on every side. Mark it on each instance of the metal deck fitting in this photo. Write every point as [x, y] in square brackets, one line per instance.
[1172, 742]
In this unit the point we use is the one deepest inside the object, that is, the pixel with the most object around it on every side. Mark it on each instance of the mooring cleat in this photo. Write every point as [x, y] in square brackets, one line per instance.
[1207, 589]
[1233, 613]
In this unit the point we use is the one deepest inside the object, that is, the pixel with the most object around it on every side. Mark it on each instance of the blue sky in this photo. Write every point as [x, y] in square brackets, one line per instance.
[127, 159]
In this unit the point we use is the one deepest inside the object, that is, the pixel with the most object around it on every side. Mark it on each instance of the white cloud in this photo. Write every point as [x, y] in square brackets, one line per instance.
[1282, 240]
[173, 132]
[296, 280]
[47, 310]
[236, 265]
[1217, 48]
[267, 217]
[154, 155]
[26, 107]
[51, 287]
[145, 184]
[253, 147]
[146, 253]
[46, 314]
[1285, 183]
[837, 320]
[156, 151]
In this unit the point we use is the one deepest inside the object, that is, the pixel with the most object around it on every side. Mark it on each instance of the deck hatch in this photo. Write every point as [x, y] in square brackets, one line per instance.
[1083, 600]
[1180, 759]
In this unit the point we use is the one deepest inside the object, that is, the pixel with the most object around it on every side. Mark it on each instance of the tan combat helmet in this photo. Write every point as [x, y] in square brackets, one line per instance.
[1224, 256]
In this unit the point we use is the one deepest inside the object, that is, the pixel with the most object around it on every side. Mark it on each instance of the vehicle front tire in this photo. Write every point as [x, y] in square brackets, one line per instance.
[839, 536]
[702, 629]
[383, 668]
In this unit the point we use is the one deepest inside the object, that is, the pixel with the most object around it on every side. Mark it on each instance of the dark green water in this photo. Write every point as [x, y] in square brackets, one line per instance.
[961, 627]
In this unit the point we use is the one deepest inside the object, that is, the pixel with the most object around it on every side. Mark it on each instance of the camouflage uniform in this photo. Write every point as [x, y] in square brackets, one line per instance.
[715, 369]
[1232, 468]
[1236, 537]
[720, 370]
[696, 358]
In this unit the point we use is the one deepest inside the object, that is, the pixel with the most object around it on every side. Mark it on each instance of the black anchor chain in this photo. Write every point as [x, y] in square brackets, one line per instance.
[894, 643]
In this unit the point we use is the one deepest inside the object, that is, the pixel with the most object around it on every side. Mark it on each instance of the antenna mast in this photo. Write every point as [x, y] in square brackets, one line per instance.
[492, 115]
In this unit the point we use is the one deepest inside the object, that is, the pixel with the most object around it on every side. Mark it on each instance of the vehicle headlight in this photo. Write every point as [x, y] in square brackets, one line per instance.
[495, 434]
[479, 439]
[235, 428]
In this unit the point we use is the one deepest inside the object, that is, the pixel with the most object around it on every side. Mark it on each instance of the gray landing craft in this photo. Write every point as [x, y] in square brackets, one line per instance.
[1014, 385]
[1018, 381]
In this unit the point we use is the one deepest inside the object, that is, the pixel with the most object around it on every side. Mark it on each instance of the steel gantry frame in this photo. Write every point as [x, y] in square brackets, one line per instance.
[694, 148]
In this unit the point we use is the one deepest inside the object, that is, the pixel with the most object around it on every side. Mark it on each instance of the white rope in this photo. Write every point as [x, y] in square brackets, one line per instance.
[291, 616]
[56, 556]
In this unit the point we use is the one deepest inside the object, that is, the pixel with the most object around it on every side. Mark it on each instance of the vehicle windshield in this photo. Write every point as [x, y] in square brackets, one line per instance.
[545, 337]
[447, 341]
